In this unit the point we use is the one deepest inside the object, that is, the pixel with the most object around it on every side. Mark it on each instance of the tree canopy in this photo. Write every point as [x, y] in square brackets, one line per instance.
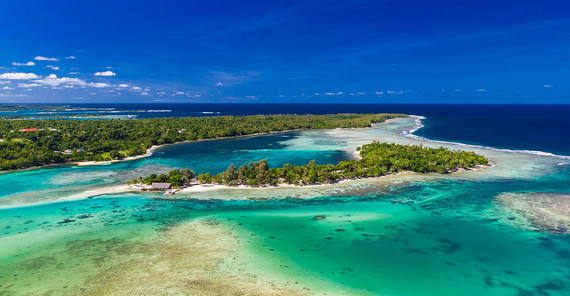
[27, 143]
[378, 159]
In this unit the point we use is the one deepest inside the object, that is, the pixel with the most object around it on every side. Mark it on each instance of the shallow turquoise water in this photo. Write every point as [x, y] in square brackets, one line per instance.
[53, 183]
[439, 235]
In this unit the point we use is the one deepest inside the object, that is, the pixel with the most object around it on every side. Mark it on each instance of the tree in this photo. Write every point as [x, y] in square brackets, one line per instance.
[231, 174]
[204, 178]
[115, 154]
[188, 174]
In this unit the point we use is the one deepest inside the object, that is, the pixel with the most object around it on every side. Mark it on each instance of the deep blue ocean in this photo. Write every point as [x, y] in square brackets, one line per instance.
[522, 127]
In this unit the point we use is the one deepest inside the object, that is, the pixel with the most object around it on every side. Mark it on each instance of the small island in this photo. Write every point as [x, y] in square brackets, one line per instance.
[377, 159]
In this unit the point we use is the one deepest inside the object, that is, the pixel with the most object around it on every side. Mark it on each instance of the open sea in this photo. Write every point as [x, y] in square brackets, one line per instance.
[503, 230]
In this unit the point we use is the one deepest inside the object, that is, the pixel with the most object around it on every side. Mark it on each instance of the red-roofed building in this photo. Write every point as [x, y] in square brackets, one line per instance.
[28, 130]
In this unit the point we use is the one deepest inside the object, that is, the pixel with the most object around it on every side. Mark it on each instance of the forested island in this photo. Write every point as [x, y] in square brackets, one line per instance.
[378, 159]
[50, 107]
[28, 143]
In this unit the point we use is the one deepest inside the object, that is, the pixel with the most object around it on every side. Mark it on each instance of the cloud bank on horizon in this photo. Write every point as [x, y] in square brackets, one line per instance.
[312, 51]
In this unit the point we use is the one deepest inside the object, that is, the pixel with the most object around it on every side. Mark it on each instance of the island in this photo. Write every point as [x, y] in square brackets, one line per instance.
[29, 143]
[376, 160]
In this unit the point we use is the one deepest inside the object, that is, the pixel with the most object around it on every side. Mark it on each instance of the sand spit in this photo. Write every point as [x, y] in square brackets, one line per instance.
[394, 176]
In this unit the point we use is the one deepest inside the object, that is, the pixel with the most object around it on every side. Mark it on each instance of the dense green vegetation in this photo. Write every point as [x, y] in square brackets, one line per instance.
[378, 159]
[16, 107]
[60, 141]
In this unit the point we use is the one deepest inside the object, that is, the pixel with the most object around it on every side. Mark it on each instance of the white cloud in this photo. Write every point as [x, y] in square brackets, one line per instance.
[144, 94]
[106, 73]
[123, 85]
[73, 73]
[30, 63]
[547, 85]
[53, 67]
[481, 90]
[180, 93]
[70, 58]
[219, 84]
[394, 92]
[7, 88]
[28, 85]
[68, 86]
[40, 58]
[4, 82]
[379, 92]
[13, 95]
[18, 76]
[99, 84]
[136, 88]
[52, 80]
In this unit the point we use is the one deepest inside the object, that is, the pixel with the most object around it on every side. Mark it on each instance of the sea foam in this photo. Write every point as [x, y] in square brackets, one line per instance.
[418, 125]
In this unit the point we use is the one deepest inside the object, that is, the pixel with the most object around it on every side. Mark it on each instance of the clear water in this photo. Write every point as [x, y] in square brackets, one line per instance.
[404, 235]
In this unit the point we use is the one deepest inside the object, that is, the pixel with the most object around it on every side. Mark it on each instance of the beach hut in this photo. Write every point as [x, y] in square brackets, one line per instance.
[160, 186]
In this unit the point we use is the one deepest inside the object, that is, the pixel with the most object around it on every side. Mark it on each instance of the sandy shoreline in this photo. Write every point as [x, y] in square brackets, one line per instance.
[214, 187]
[148, 153]
[151, 150]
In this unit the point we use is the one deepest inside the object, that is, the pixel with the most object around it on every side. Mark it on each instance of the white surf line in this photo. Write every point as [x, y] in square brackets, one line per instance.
[418, 125]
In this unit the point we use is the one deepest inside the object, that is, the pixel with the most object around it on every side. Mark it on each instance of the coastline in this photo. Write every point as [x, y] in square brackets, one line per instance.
[185, 192]
[121, 188]
[148, 153]
[208, 187]
[153, 148]
[215, 187]
[207, 257]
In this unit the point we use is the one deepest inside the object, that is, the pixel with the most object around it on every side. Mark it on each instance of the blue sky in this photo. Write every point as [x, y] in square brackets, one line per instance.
[403, 51]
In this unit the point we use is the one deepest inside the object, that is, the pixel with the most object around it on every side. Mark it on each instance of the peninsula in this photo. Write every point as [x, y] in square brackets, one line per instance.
[29, 143]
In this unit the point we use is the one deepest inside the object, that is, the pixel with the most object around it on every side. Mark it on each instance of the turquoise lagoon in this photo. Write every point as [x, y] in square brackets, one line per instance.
[398, 235]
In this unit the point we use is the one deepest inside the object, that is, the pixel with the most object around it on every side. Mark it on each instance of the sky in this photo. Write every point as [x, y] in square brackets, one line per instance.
[402, 51]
